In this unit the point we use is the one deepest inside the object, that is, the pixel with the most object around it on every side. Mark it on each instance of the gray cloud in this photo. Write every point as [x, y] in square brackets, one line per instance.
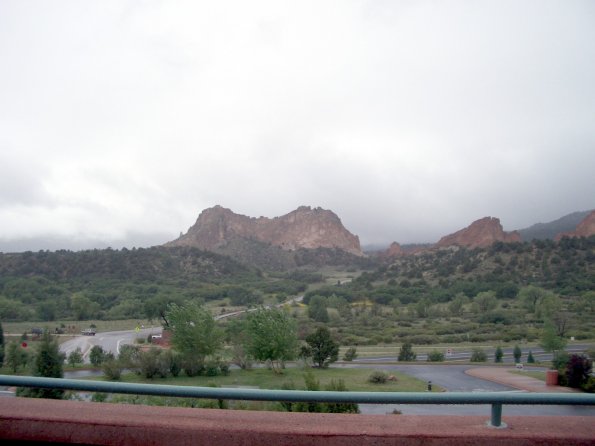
[408, 119]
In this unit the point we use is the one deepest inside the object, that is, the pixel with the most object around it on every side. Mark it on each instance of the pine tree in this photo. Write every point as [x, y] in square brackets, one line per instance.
[517, 352]
[406, 353]
[498, 355]
[48, 363]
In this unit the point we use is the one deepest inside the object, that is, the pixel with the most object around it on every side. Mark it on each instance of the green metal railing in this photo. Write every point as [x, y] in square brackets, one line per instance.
[496, 399]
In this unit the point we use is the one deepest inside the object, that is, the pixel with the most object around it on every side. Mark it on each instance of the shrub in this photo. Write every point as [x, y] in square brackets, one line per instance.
[99, 397]
[578, 370]
[112, 369]
[530, 358]
[378, 377]
[559, 361]
[129, 356]
[212, 368]
[589, 386]
[435, 356]
[478, 355]
[173, 362]
[339, 386]
[192, 366]
[153, 364]
[406, 352]
[350, 354]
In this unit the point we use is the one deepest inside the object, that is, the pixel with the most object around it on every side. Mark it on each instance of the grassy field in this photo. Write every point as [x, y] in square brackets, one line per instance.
[355, 380]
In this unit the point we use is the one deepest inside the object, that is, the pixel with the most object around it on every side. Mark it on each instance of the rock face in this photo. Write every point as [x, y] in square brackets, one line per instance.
[479, 234]
[303, 228]
[585, 228]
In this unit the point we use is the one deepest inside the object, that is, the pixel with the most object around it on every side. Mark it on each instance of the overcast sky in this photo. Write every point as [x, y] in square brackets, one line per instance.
[122, 120]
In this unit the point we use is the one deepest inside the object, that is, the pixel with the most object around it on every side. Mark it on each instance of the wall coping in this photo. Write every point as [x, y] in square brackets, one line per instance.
[42, 420]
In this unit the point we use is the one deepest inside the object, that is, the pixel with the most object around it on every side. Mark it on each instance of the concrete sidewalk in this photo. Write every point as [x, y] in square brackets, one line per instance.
[502, 375]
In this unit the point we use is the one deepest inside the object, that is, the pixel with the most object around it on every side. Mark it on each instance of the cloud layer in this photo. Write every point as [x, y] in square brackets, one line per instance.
[409, 119]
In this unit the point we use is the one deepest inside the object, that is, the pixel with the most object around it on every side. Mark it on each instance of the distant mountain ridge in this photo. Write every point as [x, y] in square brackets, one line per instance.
[549, 230]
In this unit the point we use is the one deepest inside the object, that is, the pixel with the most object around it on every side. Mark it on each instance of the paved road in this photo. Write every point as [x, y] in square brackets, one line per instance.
[109, 341]
[454, 379]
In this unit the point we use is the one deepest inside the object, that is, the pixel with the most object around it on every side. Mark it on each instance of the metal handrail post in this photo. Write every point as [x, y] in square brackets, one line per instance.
[496, 419]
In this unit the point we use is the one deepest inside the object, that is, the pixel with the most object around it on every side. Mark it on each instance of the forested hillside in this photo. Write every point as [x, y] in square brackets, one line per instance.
[504, 292]
[119, 284]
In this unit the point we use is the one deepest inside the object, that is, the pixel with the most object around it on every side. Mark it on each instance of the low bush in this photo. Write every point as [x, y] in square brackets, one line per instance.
[435, 356]
[378, 377]
[350, 354]
[478, 355]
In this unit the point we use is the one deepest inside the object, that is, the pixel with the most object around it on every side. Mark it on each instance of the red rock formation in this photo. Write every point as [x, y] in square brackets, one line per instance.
[394, 250]
[303, 228]
[585, 228]
[479, 234]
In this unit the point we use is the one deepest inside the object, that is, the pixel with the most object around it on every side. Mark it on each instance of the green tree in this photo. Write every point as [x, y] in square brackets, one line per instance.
[517, 353]
[498, 354]
[96, 355]
[82, 307]
[550, 341]
[322, 348]
[16, 357]
[456, 305]
[194, 330]
[47, 363]
[422, 307]
[235, 330]
[586, 303]
[271, 336]
[486, 301]
[530, 358]
[317, 309]
[75, 357]
[531, 296]
[406, 352]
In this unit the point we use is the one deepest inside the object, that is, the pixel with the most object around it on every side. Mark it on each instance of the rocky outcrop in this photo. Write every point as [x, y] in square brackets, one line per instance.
[585, 228]
[394, 250]
[303, 228]
[479, 234]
